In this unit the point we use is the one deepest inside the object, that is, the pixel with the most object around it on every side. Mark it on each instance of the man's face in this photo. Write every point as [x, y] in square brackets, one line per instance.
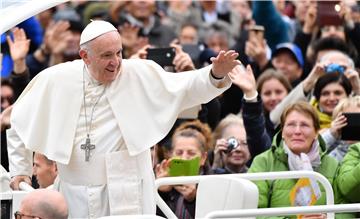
[104, 57]
[142, 10]
[285, 63]
[217, 43]
[188, 35]
[44, 171]
[333, 31]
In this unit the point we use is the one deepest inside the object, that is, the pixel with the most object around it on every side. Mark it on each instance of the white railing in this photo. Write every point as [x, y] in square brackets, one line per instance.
[285, 211]
[253, 177]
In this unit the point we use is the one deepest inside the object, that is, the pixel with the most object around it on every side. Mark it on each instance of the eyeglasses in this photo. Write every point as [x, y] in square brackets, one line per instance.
[19, 215]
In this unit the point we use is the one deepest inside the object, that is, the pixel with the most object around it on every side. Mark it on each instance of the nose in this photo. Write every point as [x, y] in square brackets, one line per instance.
[332, 97]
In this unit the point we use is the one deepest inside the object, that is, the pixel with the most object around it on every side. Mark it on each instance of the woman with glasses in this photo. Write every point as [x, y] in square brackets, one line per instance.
[298, 146]
[231, 152]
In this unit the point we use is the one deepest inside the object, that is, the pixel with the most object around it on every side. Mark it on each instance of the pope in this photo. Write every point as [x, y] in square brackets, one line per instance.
[98, 117]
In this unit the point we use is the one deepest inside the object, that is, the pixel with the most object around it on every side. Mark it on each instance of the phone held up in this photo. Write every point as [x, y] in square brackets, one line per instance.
[162, 56]
[328, 13]
[352, 130]
[256, 32]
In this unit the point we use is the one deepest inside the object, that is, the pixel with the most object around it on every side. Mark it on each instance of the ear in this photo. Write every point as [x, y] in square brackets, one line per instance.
[203, 158]
[84, 56]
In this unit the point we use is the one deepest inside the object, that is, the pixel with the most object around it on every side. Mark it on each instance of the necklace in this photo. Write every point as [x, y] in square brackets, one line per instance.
[88, 146]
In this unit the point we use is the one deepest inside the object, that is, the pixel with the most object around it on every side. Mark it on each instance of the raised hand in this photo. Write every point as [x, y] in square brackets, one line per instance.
[182, 60]
[244, 79]
[317, 71]
[337, 124]
[310, 19]
[161, 170]
[354, 79]
[57, 36]
[220, 148]
[224, 62]
[19, 46]
[257, 51]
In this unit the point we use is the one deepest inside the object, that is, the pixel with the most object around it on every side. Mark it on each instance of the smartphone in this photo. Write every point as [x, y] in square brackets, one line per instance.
[162, 56]
[328, 13]
[352, 130]
[256, 32]
[181, 167]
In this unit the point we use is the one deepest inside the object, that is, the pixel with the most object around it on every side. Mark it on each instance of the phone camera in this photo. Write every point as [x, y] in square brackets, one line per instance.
[333, 68]
[232, 143]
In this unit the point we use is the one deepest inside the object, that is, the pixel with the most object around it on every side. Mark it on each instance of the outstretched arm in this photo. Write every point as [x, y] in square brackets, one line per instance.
[223, 63]
[20, 160]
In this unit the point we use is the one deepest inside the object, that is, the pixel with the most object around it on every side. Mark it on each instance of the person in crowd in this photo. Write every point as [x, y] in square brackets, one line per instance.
[288, 59]
[348, 32]
[85, 106]
[44, 170]
[44, 204]
[298, 146]
[143, 14]
[337, 147]
[231, 152]
[322, 76]
[12, 87]
[190, 140]
[348, 180]
[272, 87]
[257, 125]
[328, 91]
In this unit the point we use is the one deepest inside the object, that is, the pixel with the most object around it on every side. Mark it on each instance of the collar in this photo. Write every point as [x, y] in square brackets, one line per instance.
[89, 79]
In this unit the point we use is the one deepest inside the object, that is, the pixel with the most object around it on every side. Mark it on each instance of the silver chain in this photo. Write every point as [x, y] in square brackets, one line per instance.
[88, 128]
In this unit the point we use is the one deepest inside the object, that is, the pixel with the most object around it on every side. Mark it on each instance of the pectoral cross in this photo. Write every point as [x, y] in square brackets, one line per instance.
[87, 147]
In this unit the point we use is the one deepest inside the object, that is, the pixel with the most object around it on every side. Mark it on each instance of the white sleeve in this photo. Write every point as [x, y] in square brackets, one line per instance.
[20, 158]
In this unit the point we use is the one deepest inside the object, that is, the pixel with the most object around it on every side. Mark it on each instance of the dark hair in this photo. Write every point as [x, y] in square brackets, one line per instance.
[332, 78]
[332, 43]
[304, 108]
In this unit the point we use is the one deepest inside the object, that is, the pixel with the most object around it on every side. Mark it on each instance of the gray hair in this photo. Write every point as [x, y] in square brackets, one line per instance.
[86, 46]
[335, 52]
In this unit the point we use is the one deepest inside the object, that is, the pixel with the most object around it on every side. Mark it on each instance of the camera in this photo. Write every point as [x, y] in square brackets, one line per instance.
[332, 68]
[232, 143]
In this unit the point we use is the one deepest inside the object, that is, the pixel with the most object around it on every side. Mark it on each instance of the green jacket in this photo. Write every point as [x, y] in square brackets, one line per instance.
[276, 193]
[349, 174]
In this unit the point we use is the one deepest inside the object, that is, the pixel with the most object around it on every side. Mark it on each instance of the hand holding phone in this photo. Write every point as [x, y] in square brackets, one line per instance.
[256, 32]
[181, 167]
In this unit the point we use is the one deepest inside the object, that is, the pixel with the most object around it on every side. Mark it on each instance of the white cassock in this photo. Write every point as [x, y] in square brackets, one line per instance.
[134, 113]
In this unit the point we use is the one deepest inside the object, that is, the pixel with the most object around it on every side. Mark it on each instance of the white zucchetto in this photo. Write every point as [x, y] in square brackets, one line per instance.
[94, 29]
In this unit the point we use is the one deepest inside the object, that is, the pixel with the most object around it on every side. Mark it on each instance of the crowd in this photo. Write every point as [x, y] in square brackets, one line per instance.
[294, 74]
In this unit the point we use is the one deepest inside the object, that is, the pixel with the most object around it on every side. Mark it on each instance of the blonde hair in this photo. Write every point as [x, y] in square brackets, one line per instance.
[229, 120]
[345, 103]
[304, 108]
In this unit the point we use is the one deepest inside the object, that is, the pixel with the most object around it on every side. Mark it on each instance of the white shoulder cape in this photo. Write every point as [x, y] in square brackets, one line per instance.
[145, 99]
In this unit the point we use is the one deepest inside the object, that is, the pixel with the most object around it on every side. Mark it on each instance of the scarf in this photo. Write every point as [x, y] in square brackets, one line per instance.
[325, 119]
[309, 161]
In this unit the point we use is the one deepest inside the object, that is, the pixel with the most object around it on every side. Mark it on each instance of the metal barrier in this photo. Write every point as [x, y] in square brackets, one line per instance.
[253, 177]
[285, 211]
